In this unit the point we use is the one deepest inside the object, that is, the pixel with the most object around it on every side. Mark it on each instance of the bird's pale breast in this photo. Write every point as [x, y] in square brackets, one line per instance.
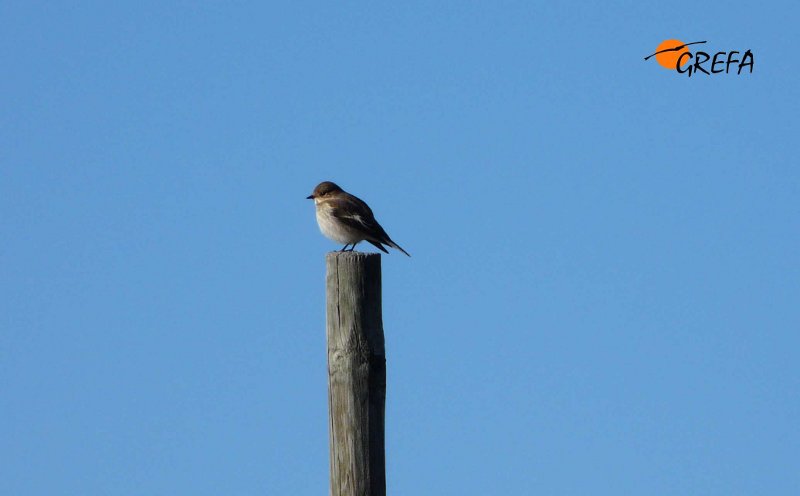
[334, 229]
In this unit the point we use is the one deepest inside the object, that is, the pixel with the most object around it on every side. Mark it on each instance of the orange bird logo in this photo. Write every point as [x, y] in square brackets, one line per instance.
[669, 52]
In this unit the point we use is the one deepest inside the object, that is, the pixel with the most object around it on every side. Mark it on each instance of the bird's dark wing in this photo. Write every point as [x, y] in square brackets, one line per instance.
[354, 213]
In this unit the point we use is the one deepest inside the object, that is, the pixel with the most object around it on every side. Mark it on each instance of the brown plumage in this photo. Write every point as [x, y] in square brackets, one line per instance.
[347, 219]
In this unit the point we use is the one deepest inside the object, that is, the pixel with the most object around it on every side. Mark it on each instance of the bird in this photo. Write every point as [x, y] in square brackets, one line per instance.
[347, 219]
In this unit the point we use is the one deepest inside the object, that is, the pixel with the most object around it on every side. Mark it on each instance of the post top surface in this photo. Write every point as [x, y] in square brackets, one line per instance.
[351, 255]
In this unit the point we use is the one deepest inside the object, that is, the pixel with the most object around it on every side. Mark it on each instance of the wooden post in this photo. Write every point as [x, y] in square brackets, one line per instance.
[356, 374]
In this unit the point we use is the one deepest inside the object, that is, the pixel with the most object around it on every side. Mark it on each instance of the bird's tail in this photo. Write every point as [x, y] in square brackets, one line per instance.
[395, 245]
[378, 246]
[385, 240]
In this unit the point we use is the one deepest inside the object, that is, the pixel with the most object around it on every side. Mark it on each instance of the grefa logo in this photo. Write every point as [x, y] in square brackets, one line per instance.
[675, 55]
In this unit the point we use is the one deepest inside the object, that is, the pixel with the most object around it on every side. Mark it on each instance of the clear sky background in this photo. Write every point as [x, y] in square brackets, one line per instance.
[604, 289]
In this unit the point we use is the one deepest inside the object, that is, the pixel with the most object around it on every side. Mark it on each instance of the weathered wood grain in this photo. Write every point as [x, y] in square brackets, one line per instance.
[356, 374]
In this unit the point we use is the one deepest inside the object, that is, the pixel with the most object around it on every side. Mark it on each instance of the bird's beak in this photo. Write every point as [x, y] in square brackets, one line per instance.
[310, 197]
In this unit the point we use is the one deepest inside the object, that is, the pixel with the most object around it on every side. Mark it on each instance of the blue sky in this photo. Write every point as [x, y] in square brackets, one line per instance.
[604, 284]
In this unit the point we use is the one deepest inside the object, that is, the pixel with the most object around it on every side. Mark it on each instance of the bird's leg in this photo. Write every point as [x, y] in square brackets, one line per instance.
[354, 246]
[345, 247]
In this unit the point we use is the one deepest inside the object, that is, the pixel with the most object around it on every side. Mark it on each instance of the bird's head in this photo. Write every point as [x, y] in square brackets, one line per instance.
[323, 190]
